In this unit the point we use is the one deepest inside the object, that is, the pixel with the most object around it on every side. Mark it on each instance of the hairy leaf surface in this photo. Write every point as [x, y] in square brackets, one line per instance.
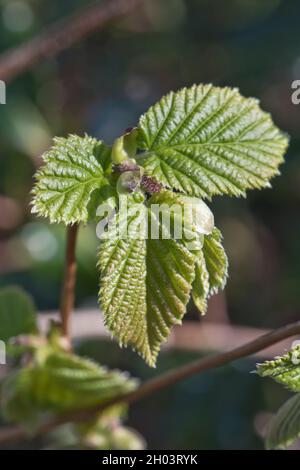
[145, 286]
[73, 169]
[207, 140]
[216, 261]
[284, 369]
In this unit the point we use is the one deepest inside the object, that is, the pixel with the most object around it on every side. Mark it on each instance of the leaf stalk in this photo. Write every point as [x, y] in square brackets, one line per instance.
[69, 282]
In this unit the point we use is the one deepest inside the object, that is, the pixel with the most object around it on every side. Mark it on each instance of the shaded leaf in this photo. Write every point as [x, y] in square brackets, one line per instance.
[285, 425]
[107, 433]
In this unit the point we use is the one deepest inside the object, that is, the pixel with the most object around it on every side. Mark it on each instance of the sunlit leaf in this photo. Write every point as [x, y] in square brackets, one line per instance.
[207, 140]
[145, 286]
[73, 169]
[284, 369]
[17, 313]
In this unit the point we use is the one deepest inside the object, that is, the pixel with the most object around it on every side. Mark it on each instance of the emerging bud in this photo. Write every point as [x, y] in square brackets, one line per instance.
[138, 197]
[128, 182]
[200, 214]
[124, 148]
[150, 185]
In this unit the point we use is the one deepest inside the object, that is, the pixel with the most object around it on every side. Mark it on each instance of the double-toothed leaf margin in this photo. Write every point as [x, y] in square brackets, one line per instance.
[144, 288]
[58, 382]
[284, 369]
[74, 168]
[207, 140]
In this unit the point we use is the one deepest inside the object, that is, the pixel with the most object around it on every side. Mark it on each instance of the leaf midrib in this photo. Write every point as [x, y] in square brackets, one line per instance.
[153, 151]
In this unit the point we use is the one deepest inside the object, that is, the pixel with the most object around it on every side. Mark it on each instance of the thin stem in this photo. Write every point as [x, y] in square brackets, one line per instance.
[162, 381]
[67, 295]
[62, 35]
[210, 362]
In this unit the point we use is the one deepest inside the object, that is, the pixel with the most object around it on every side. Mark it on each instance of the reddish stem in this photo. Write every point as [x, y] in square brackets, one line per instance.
[62, 35]
[67, 295]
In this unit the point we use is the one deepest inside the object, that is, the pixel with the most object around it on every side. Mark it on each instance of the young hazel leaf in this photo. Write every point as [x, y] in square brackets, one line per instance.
[122, 296]
[198, 142]
[74, 168]
[145, 287]
[285, 425]
[58, 382]
[207, 140]
[285, 369]
[170, 274]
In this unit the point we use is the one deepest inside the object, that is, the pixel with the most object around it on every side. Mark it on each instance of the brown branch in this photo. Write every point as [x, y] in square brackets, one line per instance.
[9, 435]
[62, 35]
[67, 295]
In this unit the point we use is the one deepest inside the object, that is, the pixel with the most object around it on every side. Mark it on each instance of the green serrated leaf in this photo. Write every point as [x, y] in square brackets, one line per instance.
[73, 169]
[145, 286]
[17, 313]
[170, 273]
[284, 369]
[284, 427]
[216, 261]
[59, 382]
[211, 270]
[106, 198]
[207, 140]
[201, 284]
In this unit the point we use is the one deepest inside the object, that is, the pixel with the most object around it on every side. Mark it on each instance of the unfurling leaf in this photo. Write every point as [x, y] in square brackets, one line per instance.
[74, 168]
[105, 432]
[108, 433]
[206, 140]
[145, 284]
[284, 427]
[146, 281]
[124, 148]
[284, 369]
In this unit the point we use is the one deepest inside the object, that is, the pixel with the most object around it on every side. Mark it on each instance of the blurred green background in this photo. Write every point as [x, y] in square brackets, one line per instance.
[101, 86]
